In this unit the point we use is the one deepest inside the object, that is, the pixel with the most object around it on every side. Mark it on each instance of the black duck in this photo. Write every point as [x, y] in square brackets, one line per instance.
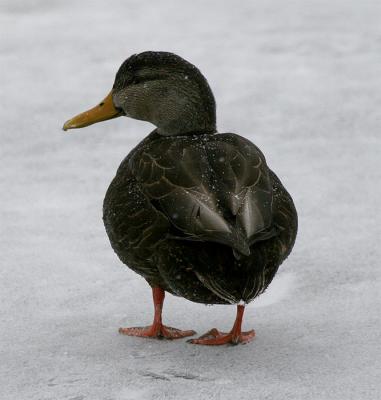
[197, 213]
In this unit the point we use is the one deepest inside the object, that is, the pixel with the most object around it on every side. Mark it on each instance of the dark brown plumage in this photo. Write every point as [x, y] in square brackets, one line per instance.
[196, 213]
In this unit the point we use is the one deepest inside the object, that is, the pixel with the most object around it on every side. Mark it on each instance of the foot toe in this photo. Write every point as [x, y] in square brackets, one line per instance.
[141, 331]
[173, 333]
[214, 338]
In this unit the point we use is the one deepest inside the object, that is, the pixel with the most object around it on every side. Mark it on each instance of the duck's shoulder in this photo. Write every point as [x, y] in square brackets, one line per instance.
[169, 149]
[237, 146]
[190, 160]
[235, 140]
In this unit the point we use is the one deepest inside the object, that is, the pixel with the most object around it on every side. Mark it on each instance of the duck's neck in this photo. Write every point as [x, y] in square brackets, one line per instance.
[189, 121]
[186, 114]
[176, 130]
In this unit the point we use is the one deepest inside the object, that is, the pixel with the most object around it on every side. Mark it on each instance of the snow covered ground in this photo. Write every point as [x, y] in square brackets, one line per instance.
[302, 80]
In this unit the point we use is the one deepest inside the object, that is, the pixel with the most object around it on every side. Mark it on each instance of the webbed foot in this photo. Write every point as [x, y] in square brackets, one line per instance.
[235, 336]
[156, 331]
[215, 337]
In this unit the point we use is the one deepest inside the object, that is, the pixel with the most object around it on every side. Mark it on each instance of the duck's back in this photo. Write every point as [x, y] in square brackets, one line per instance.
[209, 194]
[210, 187]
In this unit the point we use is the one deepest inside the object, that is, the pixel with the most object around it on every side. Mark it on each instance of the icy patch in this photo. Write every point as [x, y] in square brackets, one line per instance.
[133, 394]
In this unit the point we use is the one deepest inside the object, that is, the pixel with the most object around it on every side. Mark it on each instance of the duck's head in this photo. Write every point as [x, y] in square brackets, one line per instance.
[158, 87]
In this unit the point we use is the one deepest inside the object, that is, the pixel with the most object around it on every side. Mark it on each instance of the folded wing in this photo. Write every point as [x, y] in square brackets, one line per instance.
[215, 189]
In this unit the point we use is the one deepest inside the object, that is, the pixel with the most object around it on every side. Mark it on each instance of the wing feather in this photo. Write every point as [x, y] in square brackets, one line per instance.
[210, 187]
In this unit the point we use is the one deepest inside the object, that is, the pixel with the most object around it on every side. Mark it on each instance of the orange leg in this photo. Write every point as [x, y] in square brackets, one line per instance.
[235, 336]
[157, 329]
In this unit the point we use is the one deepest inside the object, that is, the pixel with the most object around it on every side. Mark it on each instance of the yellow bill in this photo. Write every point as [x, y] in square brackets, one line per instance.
[103, 111]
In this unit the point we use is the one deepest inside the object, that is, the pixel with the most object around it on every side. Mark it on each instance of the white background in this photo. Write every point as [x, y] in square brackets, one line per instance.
[302, 80]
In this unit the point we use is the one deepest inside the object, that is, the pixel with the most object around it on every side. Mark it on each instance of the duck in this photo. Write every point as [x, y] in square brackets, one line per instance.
[197, 213]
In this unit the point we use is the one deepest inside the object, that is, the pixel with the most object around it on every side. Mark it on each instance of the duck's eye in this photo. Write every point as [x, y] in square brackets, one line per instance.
[136, 80]
[143, 79]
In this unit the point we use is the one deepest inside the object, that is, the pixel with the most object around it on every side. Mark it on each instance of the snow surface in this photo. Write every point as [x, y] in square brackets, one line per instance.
[302, 80]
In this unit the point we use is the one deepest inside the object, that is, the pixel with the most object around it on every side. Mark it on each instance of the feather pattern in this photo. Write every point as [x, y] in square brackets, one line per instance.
[200, 215]
[210, 187]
